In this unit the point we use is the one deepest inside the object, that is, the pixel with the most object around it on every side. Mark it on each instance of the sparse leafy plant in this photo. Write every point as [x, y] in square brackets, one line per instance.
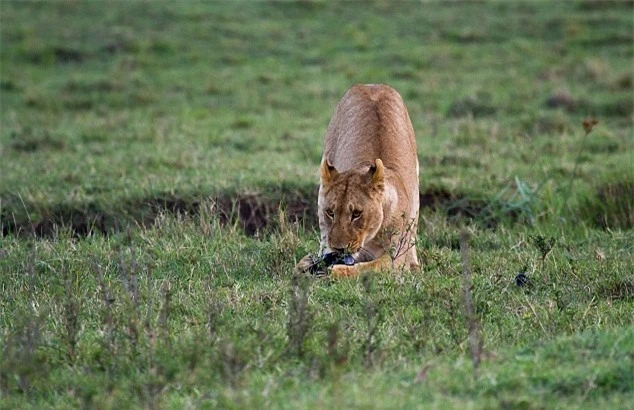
[397, 242]
[23, 361]
[373, 319]
[164, 314]
[299, 316]
[588, 125]
[475, 340]
[71, 316]
[543, 244]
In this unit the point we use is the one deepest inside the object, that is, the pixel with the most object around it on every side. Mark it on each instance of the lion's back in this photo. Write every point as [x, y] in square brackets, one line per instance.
[370, 122]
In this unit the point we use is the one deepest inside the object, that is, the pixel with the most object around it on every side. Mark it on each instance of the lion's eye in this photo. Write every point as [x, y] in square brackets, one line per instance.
[330, 214]
[356, 215]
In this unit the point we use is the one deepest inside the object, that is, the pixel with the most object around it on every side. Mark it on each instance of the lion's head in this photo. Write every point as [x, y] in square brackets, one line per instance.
[350, 206]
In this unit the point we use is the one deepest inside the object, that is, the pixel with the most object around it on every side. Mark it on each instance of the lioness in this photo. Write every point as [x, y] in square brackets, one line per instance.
[368, 193]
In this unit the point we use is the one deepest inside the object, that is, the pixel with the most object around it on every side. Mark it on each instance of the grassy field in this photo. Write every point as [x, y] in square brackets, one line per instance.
[158, 173]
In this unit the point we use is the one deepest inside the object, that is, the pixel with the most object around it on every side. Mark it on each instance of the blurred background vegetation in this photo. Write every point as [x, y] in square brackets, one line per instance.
[111, 110]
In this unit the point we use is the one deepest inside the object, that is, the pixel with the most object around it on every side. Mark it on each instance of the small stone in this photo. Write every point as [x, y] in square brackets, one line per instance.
[521, 279]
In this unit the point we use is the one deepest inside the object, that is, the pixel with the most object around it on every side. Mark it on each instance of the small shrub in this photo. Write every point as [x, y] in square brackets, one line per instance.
[300, 318]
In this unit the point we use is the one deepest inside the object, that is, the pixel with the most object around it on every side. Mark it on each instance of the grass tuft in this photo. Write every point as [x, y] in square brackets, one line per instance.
[611, 206]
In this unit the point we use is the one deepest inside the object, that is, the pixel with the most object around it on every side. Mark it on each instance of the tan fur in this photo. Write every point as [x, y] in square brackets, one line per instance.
[368, 194]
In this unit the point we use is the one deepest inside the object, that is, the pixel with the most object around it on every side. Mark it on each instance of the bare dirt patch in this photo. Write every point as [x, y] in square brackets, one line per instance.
[255, 213]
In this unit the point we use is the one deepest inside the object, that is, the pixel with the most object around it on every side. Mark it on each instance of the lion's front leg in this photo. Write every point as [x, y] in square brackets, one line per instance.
[305, 263]
[346, 271]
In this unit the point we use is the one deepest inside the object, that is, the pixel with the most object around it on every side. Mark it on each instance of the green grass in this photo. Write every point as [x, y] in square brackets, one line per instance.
[191, 312]
[145, 150]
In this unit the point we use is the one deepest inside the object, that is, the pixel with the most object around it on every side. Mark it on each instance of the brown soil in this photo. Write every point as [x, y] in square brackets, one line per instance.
[255, 213]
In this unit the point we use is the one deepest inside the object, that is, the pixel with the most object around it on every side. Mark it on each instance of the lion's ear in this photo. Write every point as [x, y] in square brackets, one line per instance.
[378, 174]
[328, 172]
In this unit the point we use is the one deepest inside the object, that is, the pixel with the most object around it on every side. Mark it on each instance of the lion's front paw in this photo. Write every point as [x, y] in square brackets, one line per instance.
[304, 264]
[340, 271]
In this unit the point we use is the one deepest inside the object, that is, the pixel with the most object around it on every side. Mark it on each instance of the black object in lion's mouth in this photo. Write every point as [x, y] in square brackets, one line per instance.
[321, 264]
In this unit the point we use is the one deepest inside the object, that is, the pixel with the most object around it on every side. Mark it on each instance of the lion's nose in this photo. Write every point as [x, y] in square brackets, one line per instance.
[338, 250]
